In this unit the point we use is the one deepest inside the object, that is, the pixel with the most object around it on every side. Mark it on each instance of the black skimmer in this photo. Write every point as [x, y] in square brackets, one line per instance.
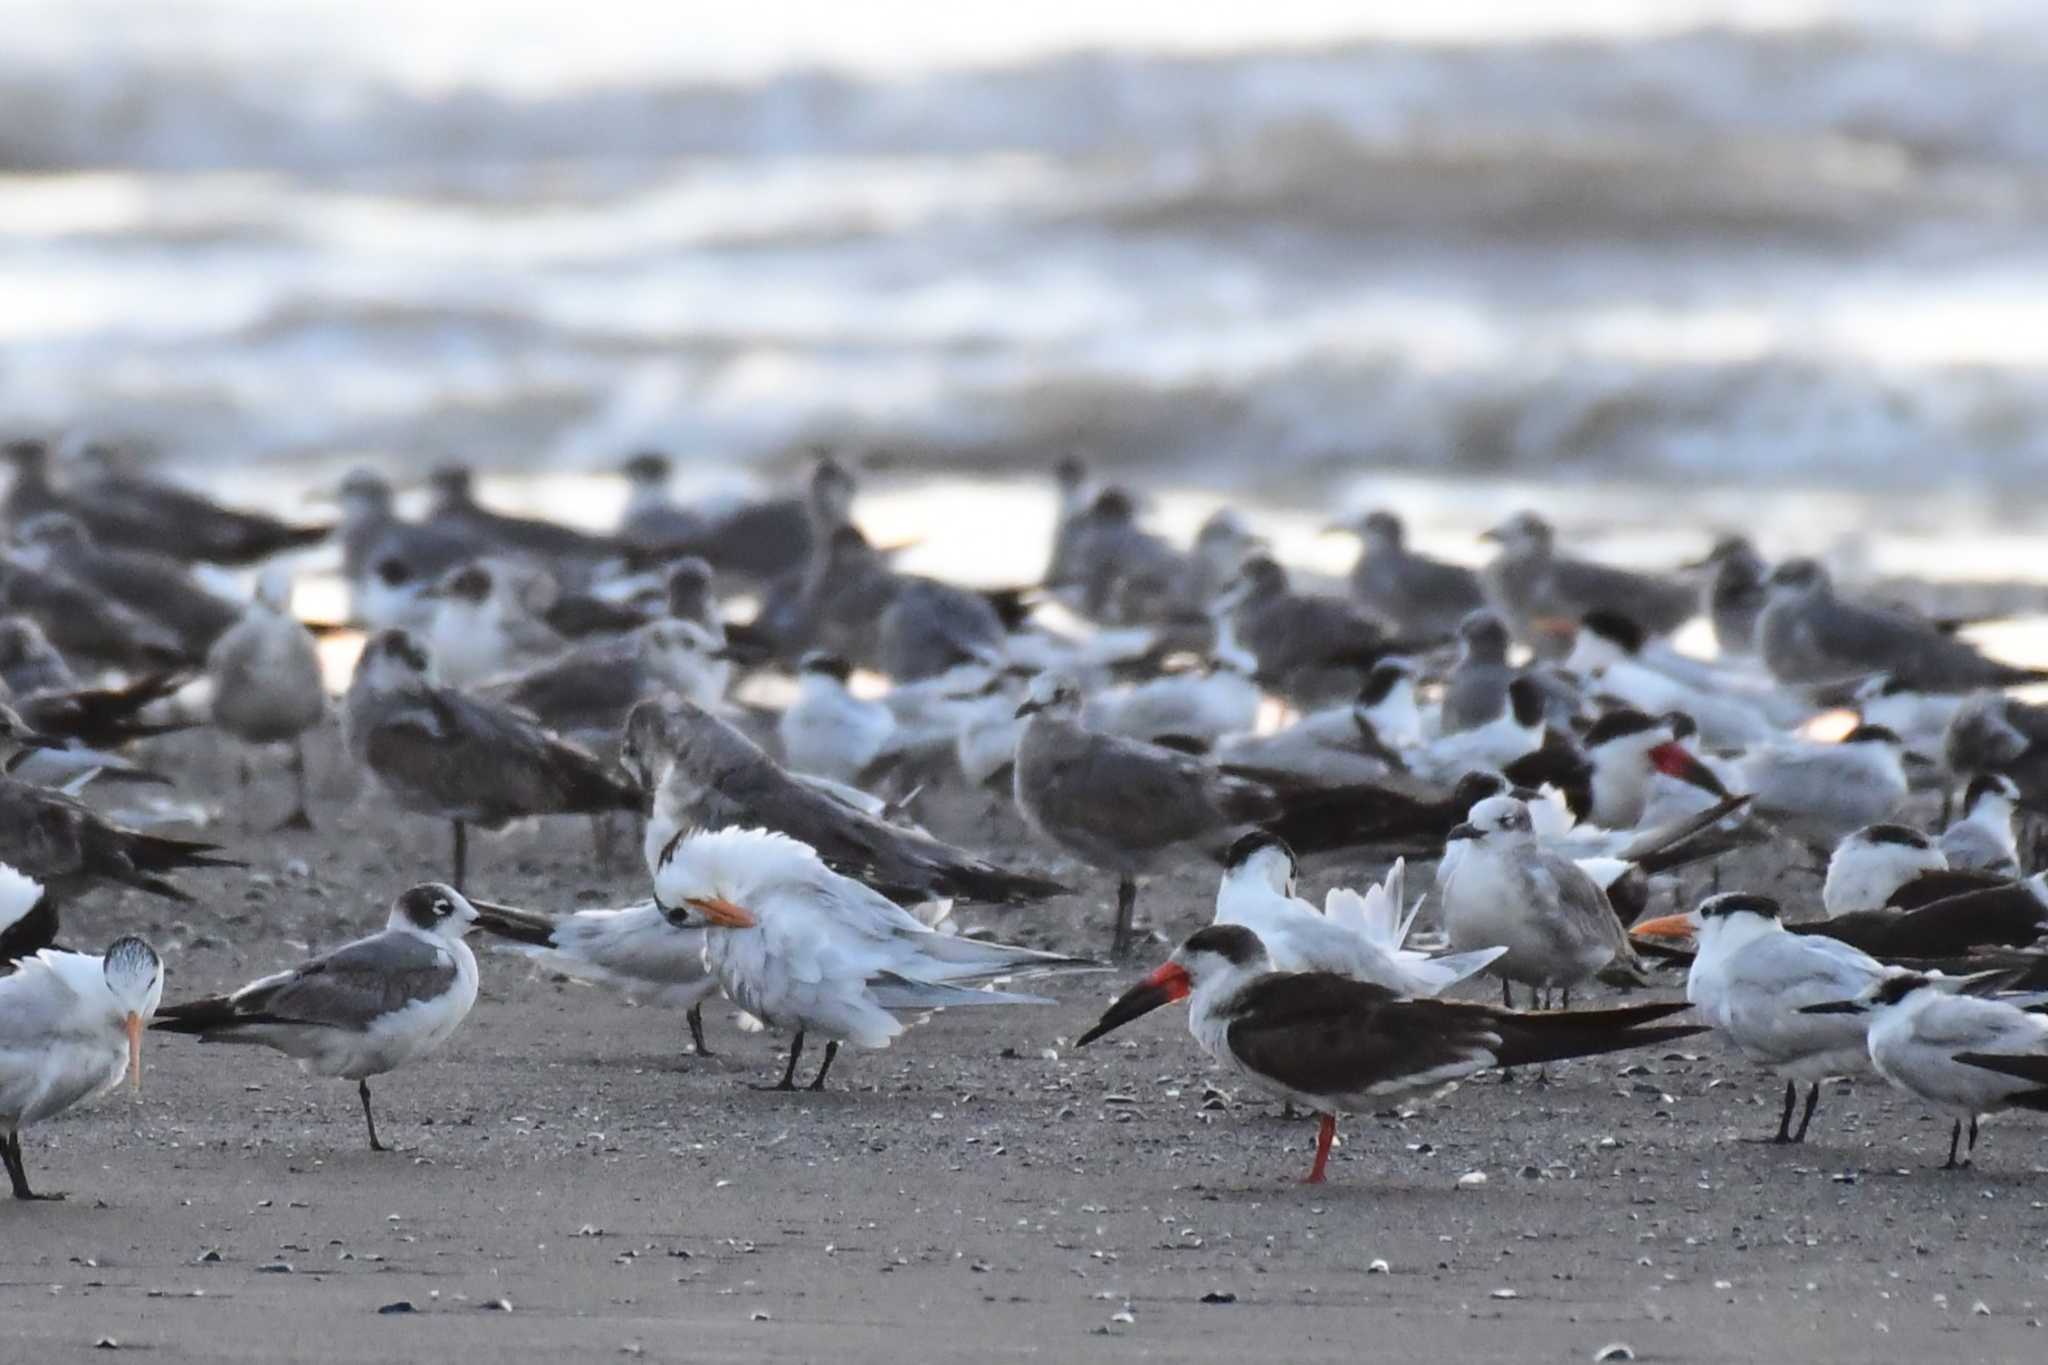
[366, 1008]
[1751, 979]
[444, 753]
[1334, 1044]
[1119, 804]
[804, 949]
[70, 1028]
[267, 687]
[68, 847]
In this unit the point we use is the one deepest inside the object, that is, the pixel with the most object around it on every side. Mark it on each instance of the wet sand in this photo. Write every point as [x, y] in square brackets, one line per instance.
[574, 1185]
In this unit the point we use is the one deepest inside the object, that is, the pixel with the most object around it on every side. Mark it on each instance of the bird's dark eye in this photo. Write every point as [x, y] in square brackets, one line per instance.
[443, 909]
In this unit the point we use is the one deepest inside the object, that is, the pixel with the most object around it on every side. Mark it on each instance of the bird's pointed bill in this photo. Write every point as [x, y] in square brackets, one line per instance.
[132, 1025]
[1162, 987]
[1675, 760]
[1677, 928]
[723, 913]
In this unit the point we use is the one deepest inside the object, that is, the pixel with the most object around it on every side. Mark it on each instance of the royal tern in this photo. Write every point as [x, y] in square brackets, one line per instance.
[70, 1028]
[704, 774]
[1333, 1044]
[1751, 980]
[1510, 891]
[1418, 597]
[1607, 654]
[1118, 804]
[1981, 839]
[441, 752]
[365, 1008]
[1359, 936]
[1820, 792]
[267, 687]
[804, 949]
[1962, 1055]
[1540, 591]
[634, 949]
[1809, 635]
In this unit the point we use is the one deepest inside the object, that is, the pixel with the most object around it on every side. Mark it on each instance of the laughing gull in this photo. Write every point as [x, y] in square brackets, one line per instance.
[1297, 638]
[1751, 979]
[750, 540]
[442, 752]
[635, 949]
[1417, 597]
[1962, 1055]
[70, 1029]
[1981, 839]
[1477, 689]
[1335, 1045]
[366, 1008]
[1359, 936]
[569, 553]
[387, 561]
[704, 774]
[267, 687]
[1119, 804]
[1511, 891]
[1542, 593]
[1735, 594]
[482, 624]
[29, 662]
[1103, 551]
[127, 511]
[651, 523]
[807, 950]
[586, 693]
[154, 586]
[1070, 476]
[1810, 635]
[84, 623]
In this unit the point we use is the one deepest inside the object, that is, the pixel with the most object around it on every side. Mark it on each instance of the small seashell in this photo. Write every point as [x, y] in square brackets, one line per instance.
[1614, 1350]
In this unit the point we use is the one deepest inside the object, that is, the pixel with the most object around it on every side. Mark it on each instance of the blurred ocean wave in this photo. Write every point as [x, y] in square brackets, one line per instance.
[1725, 254]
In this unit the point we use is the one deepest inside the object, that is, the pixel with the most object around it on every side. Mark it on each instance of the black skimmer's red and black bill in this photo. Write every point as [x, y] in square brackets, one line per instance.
[704, 774]
[366, 1008]
[1334, 1044]
[1962, 1054]
[1750, 980]
[809, 951]
[442, 752]
[70, 1028]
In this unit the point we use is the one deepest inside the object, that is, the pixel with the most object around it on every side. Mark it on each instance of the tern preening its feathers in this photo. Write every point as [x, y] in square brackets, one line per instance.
[1335, 1044]
[70, 1028]
[367, 1007]
[810, 951]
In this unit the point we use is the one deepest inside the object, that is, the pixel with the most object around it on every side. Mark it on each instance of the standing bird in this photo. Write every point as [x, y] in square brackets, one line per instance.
[805, 949]
[1298, 638]
[29, 662]
[1418, 597]
[651, 522]
[155, 587]
[1118, 804]
[1356, 936]
[635, 949]
[389, 562]
[1477, 689]
[1961, 1055]
[364, 1009]
[1736, 593]
[1993, 733]
[568, 553]
[266, 680]
[1981, 839]
[704, 774]
[1751, 980]
[482, 624]
[70, 1028]
[441, 752]
[1336, 1045]
[1510, 891]
[1809, 635]
[1541, 592]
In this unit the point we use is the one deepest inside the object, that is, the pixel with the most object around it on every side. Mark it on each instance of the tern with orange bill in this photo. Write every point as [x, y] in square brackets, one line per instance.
[70, 1029]
[1334, 1044]
[809, 951]
[366, 1008]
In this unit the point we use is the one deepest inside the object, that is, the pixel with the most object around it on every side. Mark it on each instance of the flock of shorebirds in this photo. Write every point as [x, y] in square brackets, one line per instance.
[1527, 726]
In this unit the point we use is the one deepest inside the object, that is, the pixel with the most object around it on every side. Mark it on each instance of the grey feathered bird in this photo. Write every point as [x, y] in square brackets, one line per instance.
[1476, 691]
[1809, 634]
[1299, 639]
[1415, 595]
[1544, 594]
[267, 687]
[441, 752]
[704, 774]
[156, 587]
[1118, 804]
[1735, 593]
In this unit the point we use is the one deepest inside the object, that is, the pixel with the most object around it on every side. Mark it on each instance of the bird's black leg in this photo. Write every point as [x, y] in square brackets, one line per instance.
[300, 818]
[1126, 910]
[788, 1081]
[1784, 1133]
[1567, 998]
[1507, 994]
[831, 1051]
[1955, 1138]
[17, 1169]
[461, 852]
[363, 1089]
[1806, 1115]
[696, 1018]
[1968, 1156]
